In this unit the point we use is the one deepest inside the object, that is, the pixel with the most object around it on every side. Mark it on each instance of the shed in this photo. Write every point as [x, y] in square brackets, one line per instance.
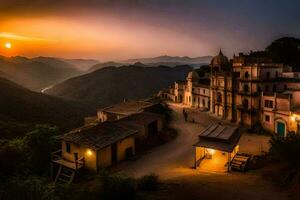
[219, 142]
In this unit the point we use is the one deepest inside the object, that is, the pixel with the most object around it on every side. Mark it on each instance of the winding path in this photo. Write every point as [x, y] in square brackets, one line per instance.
[173, 159]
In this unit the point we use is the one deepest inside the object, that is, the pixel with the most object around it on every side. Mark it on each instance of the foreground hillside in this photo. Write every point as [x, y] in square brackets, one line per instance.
[21, 109]
[36, 73]
[111, 85]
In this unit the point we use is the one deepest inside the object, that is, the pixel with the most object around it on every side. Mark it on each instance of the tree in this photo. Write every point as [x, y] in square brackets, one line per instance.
[286, 149]
[38, 145]
[11, 157]
[285, 50]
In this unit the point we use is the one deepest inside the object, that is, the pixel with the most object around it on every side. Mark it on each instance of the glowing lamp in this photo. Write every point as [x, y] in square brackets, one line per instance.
[211, 151]
[293, 117]
[89, 152]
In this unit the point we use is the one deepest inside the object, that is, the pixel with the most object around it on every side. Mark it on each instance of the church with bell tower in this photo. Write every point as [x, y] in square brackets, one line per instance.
[222, 88]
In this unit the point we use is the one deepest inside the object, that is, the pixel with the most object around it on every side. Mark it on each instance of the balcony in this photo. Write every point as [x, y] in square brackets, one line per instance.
[242, 92]
[247, 109]
[56, 157]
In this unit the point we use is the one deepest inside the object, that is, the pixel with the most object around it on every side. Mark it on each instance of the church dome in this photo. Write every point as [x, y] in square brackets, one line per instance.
[219, 60]
[193, 76]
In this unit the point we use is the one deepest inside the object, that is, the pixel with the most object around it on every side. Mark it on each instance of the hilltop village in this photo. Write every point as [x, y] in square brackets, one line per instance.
[249, 90]
[245, 94]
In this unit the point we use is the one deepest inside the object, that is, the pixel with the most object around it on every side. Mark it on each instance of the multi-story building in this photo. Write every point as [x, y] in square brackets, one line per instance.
[256, 75]
[222, 87]
[192, 92]
[280, 112]
[249, 90]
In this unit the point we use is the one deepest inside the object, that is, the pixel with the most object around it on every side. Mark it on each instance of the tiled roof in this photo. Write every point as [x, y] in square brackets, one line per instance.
[129, 107]
[98, 136]
[143, 119]
[219, 137]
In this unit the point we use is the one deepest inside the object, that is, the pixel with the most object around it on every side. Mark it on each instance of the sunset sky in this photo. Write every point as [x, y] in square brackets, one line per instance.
[121, 29]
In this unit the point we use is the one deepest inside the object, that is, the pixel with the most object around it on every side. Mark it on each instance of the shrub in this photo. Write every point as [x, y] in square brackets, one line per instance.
[118, 187]
[38, 145]
[29, 188]
[149, 182]
[11, 158]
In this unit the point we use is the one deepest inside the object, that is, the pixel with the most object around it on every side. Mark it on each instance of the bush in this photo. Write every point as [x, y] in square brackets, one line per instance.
[149, 183]
[286, 149]
[38, 145]
[29, 188]
[11, 158]
[117, 187]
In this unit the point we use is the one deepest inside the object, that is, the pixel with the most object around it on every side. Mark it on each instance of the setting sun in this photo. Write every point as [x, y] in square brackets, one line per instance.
[8, 45]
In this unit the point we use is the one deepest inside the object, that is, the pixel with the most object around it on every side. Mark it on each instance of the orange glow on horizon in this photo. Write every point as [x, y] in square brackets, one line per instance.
[103, 38]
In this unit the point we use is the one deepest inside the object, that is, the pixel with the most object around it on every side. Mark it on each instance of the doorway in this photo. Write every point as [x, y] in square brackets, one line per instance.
[153, 128]
[281, 129]
[114, 154]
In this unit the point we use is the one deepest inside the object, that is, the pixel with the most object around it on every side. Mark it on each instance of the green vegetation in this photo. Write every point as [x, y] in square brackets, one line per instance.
[25, 168]
[285, 150]
[25, 164]
[149, 182]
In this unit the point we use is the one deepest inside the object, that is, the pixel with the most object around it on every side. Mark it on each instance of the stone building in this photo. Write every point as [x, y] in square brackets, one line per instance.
[250, 90]
[280, 112]
[222, 88]
[193, 92]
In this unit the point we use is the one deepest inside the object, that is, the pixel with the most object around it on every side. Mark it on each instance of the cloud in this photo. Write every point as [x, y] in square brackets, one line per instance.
[14, 36]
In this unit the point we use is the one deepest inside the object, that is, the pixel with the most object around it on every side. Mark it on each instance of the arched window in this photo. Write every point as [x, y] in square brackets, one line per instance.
[219, 97]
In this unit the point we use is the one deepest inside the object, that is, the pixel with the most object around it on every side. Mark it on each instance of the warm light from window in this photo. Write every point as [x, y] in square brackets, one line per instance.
[89, 152]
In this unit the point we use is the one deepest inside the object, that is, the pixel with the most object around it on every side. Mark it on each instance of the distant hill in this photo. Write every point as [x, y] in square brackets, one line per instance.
[112, 84]
[82, 64]
[21, 109]
[36, 73]
[172, 59]
[105, 64]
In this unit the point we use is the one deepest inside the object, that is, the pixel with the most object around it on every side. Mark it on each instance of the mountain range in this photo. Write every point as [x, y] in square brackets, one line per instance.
[170, 61]
[36, 73]
[111, 85]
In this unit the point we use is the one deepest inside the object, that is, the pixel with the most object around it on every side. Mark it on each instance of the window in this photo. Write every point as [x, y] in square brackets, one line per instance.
[267, 88]
[268, 75]
[246, 75]
[285, 87]
[267, 118]
[258, 89]
[268, 104]
[203, 102]
[68, 147]
[203, 91]
[245, 103]
[219, 97]
[246, 88]
[276, 74]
